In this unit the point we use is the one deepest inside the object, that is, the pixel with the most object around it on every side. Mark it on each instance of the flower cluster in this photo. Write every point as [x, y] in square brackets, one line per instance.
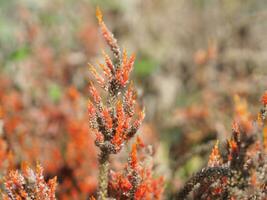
[115, 117]
[236, 171]
[114, 120]
[137, 181]
[28, 184]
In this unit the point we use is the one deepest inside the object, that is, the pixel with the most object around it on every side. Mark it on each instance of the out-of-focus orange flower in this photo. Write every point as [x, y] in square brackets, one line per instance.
[200, 57]
[73, 93]
[215, 157]
[2, 112]
[264, 98]
[242, 114]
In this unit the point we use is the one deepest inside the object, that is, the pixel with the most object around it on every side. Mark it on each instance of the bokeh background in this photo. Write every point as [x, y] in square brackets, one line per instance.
[200, 63]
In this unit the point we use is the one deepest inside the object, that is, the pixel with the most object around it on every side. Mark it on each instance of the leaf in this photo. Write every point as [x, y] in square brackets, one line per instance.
[145, 67]
[20, 54]
[54, 92]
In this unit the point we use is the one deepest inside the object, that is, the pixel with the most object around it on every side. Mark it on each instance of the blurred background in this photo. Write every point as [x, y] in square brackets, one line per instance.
[200, 64]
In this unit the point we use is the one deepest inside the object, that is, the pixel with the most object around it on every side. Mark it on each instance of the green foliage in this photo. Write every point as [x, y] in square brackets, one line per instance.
[20, 54]
[54, 92]
[145, 67]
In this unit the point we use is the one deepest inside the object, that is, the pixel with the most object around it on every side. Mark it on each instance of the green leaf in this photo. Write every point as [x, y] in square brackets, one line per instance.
[145, 67]
[54, 92]
[20, 54]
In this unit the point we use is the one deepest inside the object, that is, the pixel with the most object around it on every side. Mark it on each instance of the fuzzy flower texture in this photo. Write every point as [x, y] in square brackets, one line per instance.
[113, 118]
[238, 169]
[114, 115]
[28, 184]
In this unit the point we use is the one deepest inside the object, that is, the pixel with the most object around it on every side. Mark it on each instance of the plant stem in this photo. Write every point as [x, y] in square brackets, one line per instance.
[103, 176]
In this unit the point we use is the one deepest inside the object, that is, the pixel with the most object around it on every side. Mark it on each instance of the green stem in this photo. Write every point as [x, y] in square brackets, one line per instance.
[103, 176]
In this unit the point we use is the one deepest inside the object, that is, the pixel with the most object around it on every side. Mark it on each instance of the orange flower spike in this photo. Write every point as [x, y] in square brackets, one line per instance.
[99, 137]
[127, 69]
[215, 157]
[98, 78]
[119, 110]
[139, 120]
[141, 192]
[118, 76]
[91, 108]
[118, 137]
[130, 63]
[108, 61]
[126, 123]
[52, 184]
[129, 100]
[99, 16]
[108, 36]
[106, 70]
[25, 169]
[140, 142]
[133, 161]
[39, 174]
[130, 95]
[124, 184]
[233, 145]
[124, 58]
[94, 93]
[264, 98]
[107, 118]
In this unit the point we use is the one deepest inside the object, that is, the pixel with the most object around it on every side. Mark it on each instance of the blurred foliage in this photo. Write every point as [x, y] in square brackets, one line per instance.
[54, 92]
[145, 67]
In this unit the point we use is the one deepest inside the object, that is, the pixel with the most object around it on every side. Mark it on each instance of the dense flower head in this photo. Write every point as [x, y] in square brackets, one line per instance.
[137, 181]
[241, 167]
[116, 115]
[29, 184]
[236, 170]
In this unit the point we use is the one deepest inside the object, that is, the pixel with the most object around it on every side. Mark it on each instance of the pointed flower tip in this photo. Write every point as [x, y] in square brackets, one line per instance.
[134, 56]
[134, 156]
[232, 144]
[99, 15]
[92, 68]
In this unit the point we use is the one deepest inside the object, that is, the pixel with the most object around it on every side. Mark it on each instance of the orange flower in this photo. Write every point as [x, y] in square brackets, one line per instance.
[134, 157]
[98, 78]
[95, 94]
[73, 93]
[107, 118]
[215, 157]
[264, 98]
